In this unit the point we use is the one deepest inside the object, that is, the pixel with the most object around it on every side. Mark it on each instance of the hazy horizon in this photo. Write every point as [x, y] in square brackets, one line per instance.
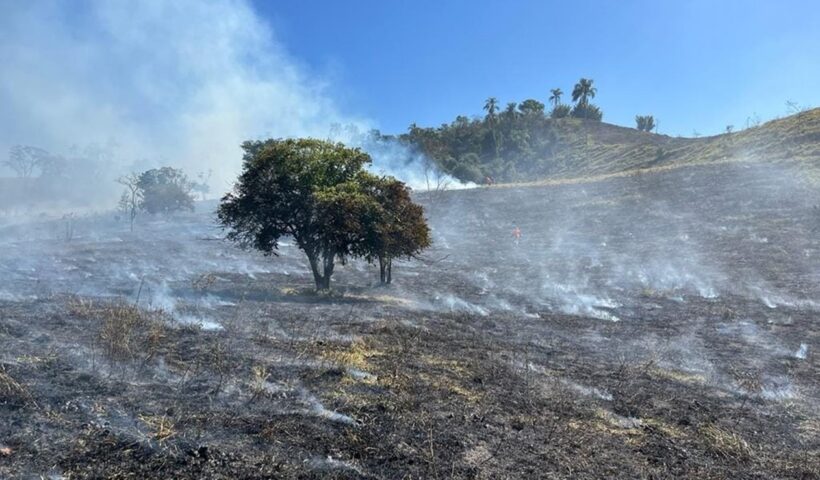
[185, 83]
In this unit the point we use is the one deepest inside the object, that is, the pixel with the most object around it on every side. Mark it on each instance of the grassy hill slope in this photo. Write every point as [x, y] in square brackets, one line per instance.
[574, 148]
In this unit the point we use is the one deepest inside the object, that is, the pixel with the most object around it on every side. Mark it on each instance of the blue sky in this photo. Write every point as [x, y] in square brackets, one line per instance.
[696, 65]
[184, 82]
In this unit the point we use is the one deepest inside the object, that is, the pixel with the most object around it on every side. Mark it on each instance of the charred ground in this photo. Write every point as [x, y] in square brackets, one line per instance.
[646, 326]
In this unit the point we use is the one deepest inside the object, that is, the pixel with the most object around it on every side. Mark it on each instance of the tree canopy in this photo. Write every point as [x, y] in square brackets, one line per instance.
[506, 144]
[165, 190]
[395, 227]
[318, 193]
[645, 123]
[25, 160]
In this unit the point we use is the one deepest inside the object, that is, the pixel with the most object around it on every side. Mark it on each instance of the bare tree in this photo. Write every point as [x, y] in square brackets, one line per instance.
[793, 107]
[130, 199]
[25, 160]
[202, 187]
[69, 226]
[437, 182]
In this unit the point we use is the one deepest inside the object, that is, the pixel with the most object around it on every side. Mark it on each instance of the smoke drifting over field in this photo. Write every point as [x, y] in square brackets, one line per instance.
[696, 284]
[115, 87]
[591, 248]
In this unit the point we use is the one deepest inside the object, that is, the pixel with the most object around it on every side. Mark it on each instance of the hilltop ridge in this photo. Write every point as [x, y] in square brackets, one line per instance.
[572, 148]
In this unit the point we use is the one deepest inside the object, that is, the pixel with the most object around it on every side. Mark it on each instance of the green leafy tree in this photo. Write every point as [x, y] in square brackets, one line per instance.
[394, 226]
[561, 111]
[468, 168]
[583, 91]
[510, 112]
[555, 98]
[581, 94]
[531, 108]
[165, 190]
[316, 192]
[587, 111]
[491, 107]
[645, 123]
[304, 188]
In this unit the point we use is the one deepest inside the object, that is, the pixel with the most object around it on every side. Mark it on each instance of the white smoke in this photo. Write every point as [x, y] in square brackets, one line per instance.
[176, 83]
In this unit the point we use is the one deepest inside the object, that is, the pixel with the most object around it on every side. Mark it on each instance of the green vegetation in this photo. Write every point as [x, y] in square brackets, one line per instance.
[645, 123]
[159, 190]
[514, 144]
[522, 143]
[25, 160]
[395, 226]
[165, 190]
[318, 193]
[581, 94]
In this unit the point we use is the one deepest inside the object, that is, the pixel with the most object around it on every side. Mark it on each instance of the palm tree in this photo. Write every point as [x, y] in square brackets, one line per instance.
[510, 111]
[583, 91]
[491, 106]
[556, 96]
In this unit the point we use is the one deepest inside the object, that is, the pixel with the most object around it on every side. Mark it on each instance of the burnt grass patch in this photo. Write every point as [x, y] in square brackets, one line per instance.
[421, 396]
[460, 370]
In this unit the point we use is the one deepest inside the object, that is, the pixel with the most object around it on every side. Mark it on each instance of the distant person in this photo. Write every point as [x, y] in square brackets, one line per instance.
[516, 234]
[489, 181]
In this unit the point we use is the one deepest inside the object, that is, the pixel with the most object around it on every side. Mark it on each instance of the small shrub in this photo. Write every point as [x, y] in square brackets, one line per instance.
[561, 111]
[124, 332]
[118, 330]
[12, 391]
[165, 190]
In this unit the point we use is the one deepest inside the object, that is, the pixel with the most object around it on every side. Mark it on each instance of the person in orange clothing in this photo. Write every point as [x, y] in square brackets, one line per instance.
[516, 233]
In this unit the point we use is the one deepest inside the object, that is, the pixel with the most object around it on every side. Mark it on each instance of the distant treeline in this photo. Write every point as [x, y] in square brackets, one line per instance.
[512, 143]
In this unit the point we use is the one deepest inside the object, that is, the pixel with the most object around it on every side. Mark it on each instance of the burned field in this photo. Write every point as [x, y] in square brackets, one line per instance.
[655, 326]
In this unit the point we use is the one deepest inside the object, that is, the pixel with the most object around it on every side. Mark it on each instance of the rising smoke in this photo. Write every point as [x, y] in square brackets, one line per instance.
[126, 86]
[146, 84]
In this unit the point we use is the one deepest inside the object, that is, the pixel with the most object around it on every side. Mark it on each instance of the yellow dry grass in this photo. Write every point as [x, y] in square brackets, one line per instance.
[677, 375]
[725, 442]
[355, 355]
[11, 388]
[161, 427]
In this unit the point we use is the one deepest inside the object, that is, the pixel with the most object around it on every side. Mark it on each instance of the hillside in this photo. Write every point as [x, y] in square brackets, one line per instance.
[573, 148]
[648, 326]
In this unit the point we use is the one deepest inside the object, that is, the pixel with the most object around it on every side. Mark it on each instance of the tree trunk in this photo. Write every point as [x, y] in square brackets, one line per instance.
[385, 270]
[314, 268]
[321, 265]
[329, 258]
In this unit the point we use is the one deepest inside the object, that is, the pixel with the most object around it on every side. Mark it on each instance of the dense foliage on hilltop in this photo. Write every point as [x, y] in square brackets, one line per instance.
[516, 142]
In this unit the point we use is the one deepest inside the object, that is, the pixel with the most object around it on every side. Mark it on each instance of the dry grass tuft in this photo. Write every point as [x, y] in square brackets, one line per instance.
[259, 382]
[162, 427]
[118, 330]
[677, 375]
[13, 391]
[203, 282]
[356, 355]
[124, 330]
[80, 307]
[725, 443]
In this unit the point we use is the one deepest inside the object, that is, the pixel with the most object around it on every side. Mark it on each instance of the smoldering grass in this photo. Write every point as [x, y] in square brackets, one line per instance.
[13, 391]
[124, 331]
[330, 463]
[316, 408]
[161, 427]
[724, 442]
